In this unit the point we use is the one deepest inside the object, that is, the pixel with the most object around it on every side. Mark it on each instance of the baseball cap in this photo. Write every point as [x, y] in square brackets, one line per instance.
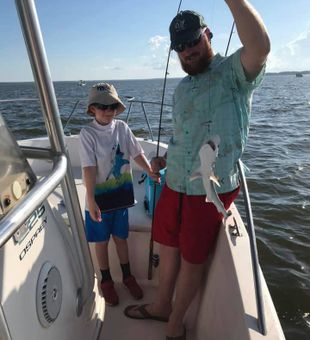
[105, 94]
[185, 26]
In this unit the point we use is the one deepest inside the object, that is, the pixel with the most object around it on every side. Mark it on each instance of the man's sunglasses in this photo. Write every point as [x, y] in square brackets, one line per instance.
[106, 107]
[181, 47]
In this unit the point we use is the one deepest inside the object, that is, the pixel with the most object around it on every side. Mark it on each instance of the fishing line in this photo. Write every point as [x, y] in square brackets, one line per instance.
[252, 237]
[164, 90]
[149, 275]
[228, 43]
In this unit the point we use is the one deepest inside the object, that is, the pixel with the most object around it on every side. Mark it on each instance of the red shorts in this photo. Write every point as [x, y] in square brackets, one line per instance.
[189, 223]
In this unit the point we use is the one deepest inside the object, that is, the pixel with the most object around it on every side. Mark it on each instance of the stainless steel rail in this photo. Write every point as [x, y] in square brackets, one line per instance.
[40, 68]
[254, 254]
[41, 190]
[4, 329]
[132, 100]
[34, 152]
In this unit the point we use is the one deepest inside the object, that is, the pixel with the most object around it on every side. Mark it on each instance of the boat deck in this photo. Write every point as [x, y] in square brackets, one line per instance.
[117, 326]
[229, 277]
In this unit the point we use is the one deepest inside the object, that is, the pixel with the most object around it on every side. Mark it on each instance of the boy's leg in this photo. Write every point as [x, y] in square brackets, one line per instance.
[122, 249]
[128, 279]
[107, 284]
[102, 255]
[120, 232]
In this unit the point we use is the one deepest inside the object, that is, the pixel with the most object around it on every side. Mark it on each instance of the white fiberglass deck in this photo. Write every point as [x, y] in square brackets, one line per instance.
[117, 326]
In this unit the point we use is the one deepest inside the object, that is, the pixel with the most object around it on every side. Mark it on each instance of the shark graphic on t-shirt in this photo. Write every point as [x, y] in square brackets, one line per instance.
[117, 191]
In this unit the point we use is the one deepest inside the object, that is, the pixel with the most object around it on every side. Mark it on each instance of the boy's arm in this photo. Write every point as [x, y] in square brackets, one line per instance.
[90, 183]
[145, 165]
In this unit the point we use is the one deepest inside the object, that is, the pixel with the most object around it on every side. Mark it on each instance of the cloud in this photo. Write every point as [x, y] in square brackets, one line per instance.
[113, 68]
[158, 42]
[294, 56]
[159, 47]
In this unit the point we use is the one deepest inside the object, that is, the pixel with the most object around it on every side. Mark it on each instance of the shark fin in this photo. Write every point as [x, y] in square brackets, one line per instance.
[215, 180]
[195, 175]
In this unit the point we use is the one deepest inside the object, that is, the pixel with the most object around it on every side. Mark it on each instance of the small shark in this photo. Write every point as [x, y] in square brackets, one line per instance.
[208, 153]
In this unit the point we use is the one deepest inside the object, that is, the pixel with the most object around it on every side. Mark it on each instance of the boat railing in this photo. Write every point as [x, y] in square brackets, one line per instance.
[41, 190]
[133, 100]
[36, 51]
[254, 254]
[59, 99]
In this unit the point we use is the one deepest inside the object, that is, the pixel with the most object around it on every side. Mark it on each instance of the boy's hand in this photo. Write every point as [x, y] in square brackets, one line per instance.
[94, 211]
[158, 163]
[154, 176]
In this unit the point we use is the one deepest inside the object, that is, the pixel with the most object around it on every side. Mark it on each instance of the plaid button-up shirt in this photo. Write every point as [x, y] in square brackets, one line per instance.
[216, 102]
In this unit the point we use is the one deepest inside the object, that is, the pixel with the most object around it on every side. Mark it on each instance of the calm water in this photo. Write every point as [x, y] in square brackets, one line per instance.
[277, 155]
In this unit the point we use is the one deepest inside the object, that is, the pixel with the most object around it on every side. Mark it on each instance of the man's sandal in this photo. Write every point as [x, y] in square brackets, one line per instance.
[143, 313]
[180, 337]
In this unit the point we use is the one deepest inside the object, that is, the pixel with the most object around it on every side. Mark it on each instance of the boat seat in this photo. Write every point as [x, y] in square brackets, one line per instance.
[138, 219]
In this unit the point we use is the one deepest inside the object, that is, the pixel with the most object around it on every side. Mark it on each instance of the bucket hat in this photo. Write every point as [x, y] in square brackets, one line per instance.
[105, 94]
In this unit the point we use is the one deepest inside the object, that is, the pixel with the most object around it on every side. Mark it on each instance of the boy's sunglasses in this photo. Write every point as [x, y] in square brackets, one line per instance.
[106, 107]
[181, 47]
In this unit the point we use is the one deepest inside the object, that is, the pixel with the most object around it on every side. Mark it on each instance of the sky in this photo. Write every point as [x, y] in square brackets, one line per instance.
[129, 39]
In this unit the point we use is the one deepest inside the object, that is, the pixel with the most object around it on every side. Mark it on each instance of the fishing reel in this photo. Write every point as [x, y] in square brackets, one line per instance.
[234, 229]
[155, 260]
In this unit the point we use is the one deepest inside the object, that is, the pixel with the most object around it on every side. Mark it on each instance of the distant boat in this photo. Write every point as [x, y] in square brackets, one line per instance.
[82, 82]
[299, 74]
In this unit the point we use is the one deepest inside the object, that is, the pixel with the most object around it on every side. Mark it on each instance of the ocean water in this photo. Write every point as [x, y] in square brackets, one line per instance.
[278, 155]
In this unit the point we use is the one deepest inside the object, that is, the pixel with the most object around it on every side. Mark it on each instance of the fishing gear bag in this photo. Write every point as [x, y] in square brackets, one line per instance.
[149, 191]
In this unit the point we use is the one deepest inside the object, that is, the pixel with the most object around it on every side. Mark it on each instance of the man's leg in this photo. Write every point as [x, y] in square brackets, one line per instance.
[166, 233]
[188, 283]
[168, 272]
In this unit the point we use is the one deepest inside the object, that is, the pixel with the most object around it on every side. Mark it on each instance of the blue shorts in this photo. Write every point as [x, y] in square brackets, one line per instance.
[113, 223]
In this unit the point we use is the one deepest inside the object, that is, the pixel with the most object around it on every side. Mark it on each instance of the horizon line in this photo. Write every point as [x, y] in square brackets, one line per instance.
[133, 79]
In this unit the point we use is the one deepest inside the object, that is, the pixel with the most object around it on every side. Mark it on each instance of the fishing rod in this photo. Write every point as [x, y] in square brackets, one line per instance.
[251, 232]
[72, 111]
[151, 257]
[229, 39]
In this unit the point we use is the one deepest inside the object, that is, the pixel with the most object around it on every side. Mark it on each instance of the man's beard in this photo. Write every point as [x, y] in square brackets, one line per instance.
[199, 66]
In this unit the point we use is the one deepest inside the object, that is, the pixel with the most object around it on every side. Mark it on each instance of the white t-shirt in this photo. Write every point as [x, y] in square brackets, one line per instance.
[109, 148]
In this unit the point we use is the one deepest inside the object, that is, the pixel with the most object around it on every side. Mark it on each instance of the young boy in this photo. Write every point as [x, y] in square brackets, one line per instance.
[106, 147]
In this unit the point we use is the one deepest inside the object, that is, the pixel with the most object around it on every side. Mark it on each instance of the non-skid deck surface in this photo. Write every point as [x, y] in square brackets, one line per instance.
[116, 326]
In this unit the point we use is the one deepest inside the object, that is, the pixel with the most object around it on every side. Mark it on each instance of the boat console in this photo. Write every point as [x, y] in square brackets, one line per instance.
[39, 268]
[16, 176]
